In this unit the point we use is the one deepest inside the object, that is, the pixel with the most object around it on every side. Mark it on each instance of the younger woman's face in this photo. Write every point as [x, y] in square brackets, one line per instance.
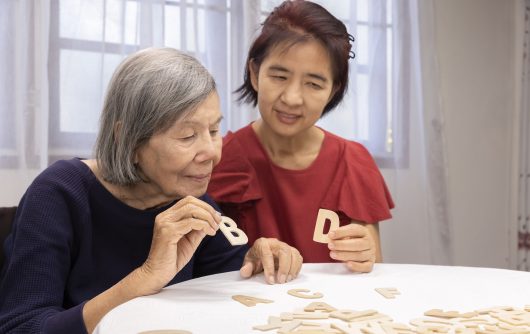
[294, 85]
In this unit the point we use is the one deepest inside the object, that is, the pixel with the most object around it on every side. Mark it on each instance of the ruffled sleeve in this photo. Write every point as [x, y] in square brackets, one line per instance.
[358, 189]
[234, 179]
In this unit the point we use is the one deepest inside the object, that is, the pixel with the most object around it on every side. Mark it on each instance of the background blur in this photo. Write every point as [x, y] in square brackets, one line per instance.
[439, 93]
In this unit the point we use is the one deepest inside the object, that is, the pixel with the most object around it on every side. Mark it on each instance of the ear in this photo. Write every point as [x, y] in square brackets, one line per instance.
[254, 72]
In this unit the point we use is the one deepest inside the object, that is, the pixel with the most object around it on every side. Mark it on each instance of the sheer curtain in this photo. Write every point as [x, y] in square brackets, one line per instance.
[58, 55]
[523, 216]
[420, 231]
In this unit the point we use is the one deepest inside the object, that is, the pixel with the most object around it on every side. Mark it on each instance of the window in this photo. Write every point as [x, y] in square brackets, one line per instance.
[88, 39]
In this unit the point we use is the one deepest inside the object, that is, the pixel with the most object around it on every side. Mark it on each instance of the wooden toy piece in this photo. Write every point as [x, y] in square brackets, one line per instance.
[388, 293]
[350, 315]
[432, 330]
[234, 235]
[344, 329]
[300, 294]
[465, 331]
[509, 328]
[397, 328]
[316, 327]
[303, 330]
[499, 330]
[273, 323]
[495, 309]
[249, 300]
[449, 314]
[286, 316]
[478, 321]
[369, 319]
[289, 327]
[323, 215]
[319, 306]
[432, 323]
[514, 317]
[311, 315]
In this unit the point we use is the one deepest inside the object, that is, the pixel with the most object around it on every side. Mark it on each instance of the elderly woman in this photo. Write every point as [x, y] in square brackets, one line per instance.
[90, 235]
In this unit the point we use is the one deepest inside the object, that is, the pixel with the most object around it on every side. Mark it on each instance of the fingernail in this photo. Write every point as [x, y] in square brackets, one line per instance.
[332, 255]
[331, 246]
[282, 278]
[218, 213]
[331, 235]
[289, 278]
[271, 279]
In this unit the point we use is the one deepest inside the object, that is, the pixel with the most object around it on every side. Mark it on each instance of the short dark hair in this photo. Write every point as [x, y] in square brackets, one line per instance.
[294, 22]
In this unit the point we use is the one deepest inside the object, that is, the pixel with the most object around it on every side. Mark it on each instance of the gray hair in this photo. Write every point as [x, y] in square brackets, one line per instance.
[149, 91]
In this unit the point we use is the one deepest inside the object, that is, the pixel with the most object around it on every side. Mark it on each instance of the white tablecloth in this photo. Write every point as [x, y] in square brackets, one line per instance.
[205, 305]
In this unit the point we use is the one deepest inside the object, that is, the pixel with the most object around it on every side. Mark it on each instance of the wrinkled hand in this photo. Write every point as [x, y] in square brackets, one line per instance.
[355, 245]
[177, 233]
[280, 262]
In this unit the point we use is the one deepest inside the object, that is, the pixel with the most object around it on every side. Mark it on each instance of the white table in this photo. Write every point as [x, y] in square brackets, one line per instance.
[205, 305]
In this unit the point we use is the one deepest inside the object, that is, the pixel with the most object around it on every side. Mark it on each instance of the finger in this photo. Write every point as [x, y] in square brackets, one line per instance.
[284, 262]
[247, 270]
[360, 267]
[368, 255]
[207, 207]
[351, 245]
[189, 205]
[185, 226]
[266, 258]
[296, 264]
[193, 211]
[352, 230]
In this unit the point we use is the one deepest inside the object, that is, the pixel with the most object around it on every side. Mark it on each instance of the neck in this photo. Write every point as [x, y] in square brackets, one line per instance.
[291, 152]
[139, 196]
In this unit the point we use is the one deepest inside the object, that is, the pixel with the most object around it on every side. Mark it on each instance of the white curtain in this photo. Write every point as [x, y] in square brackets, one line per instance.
[420, 231]
[523, 216]
[24, 84]
[58, 55]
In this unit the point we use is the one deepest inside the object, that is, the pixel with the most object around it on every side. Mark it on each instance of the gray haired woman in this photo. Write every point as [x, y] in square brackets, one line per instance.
[90, 235]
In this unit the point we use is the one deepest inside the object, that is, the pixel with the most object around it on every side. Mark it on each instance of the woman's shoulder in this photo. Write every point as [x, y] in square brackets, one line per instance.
[358, 189]
[71, 177]
[353, 153]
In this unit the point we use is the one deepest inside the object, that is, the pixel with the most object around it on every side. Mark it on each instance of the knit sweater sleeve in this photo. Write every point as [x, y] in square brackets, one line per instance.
[39, 253]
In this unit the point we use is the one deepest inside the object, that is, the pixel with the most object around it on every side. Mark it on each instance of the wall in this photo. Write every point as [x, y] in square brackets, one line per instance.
[476, 47]
[477, 81]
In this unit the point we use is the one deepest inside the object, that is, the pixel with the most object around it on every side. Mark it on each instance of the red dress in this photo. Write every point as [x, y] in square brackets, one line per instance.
[266, 200]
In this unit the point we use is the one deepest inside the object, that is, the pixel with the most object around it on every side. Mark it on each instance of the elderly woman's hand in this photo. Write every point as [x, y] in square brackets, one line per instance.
[177, 233]
[280, 262]
[357, 245]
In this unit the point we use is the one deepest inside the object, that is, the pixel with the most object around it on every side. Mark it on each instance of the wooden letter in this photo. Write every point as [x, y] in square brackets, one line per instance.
[234, 235]
[249, 301]
[298, 293]
[324, 215]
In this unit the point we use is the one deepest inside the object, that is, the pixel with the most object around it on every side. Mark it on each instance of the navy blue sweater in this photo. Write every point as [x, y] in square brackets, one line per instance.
[71, 240]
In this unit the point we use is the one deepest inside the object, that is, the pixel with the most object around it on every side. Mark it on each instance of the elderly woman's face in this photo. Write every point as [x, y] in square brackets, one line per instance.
[179, 161]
